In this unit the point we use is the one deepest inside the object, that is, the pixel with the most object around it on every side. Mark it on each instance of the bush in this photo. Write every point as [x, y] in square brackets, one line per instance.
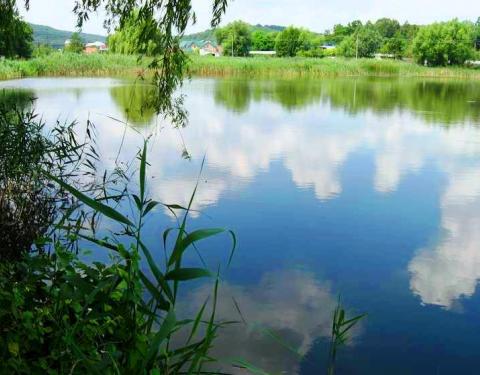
[364, 43]
[444, 43]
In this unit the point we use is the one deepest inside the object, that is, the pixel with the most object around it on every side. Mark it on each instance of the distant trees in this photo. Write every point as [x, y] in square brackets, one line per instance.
[16, 36]
[263, 40]
[235, 38]
[477, 34]
[365, 41]
[289, 42]
[444, 43]
[75, 44]
[136, 36]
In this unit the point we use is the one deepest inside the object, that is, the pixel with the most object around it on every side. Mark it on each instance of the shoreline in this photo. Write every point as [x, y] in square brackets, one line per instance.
[72, 65]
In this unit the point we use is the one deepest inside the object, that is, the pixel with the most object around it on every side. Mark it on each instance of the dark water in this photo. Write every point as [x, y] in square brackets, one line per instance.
[365, 188]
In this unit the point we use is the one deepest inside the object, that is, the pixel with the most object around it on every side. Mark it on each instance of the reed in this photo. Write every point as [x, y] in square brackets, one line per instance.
[317, 68]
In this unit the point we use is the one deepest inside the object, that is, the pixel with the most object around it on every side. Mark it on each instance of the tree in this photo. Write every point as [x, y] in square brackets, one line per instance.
[477, 34]
[75, 44]
[444, 43]
[387, 27]
[128, 40]
[235, 38]
[363, 43]
[288, 42]
[395, 46]
[16, 36]
[263, 40]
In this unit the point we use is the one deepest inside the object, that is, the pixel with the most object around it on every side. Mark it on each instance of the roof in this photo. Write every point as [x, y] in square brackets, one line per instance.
[188, 44]
[96, 44]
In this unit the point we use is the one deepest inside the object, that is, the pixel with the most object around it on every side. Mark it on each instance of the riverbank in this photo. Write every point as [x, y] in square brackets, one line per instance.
[61, 64]
[70, 64]
[317, 68]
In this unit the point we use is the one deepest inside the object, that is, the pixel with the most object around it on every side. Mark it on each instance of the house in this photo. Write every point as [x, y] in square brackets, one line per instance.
[95, 47]
[202, 47]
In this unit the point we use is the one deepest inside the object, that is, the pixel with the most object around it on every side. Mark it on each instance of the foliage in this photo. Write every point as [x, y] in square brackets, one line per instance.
[42, 50]
[341, 327]
[444, 43]
[72, 64]
[317, 68]
[75, 44]
[387, 27]
[395, 46]
[65, 316]
[364, 43]
[235, 38]
[289, 42]
[16, 36]
[263, 41]
[477, 34]
[29, 205]
[136, 36]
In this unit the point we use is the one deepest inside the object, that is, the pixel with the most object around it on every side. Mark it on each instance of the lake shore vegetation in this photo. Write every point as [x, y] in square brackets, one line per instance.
[117, 65]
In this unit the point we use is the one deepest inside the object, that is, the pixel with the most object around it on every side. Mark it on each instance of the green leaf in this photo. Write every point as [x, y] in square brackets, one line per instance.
[150, 206]
[161, 302]
[166, 329]
[160, 278]
[184, 274]
[241, 363]
[143, 167]
[92, 203]
[195, 236]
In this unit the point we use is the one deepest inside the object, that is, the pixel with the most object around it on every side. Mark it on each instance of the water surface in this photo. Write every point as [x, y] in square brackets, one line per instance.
[368, 188]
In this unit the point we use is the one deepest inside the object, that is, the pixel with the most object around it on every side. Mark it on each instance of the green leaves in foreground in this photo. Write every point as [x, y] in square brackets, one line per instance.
[148, 297]
[92, 203]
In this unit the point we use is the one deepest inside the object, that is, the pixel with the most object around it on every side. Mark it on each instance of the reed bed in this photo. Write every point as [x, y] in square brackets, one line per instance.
[68, 64]
[318, 68]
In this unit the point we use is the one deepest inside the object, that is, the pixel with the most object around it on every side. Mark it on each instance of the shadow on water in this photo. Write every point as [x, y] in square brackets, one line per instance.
[135, 102]
[434, 101]
[445, 102]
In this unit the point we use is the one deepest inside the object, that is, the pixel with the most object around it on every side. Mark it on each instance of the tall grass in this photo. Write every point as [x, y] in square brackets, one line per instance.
[318, 68]
[71, 64]
[68, 64]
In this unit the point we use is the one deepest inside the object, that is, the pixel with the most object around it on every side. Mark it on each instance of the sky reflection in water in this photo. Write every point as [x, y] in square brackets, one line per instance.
[368, 188]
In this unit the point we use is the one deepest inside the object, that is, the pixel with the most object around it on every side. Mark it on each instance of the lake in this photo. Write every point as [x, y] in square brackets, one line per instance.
[368, 189]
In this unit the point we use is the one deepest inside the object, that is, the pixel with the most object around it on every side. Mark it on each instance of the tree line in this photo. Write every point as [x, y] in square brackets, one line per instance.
[440, 43]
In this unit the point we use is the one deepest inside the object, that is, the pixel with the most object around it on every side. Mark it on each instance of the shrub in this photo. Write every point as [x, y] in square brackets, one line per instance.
[444, 43]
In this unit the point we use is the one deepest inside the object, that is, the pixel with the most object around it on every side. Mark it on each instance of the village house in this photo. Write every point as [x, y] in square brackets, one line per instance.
[202, 47]
[95, 47]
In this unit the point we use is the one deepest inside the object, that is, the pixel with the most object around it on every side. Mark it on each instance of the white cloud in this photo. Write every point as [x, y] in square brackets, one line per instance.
[292, 304]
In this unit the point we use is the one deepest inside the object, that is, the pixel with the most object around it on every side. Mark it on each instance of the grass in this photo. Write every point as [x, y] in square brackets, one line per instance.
[65, 64]
[318, 68]
[70, 64]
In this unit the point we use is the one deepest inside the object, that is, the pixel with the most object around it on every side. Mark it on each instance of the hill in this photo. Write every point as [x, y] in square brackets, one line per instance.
[210, 33]
[56, 38]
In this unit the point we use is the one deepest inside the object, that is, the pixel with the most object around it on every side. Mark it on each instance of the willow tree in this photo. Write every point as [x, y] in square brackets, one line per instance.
[171, 18]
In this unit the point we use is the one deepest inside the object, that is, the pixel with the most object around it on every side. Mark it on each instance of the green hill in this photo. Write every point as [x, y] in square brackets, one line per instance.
[210, 33]
[56, 38]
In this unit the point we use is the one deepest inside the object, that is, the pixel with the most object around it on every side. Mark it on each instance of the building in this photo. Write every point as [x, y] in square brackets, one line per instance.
[202, 47]
[95, 47]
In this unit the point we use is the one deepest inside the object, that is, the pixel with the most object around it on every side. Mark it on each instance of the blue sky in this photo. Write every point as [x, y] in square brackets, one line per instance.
[316, 15]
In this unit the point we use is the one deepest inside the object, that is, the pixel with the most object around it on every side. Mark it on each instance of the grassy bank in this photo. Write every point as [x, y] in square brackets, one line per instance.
[62, 64]
[326, 67]
[68, 64]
